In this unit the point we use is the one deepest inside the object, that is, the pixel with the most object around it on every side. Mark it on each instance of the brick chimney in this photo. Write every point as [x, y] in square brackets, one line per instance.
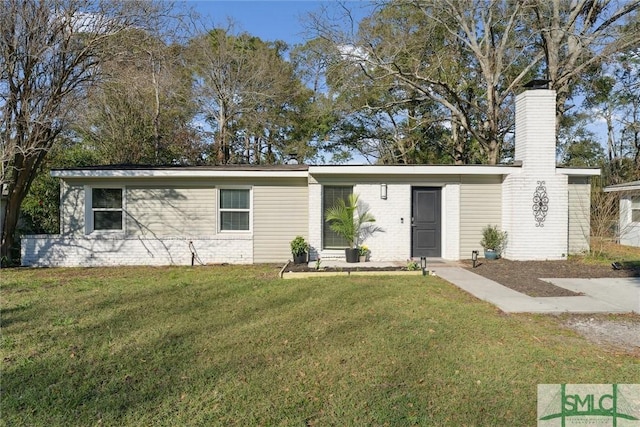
[535, 199]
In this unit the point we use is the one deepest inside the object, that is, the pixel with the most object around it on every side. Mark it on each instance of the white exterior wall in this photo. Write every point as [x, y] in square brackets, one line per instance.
[536, 131]
[160, 221]
[526, 239]
[87, 251]
[535, 147]
[315, 221]
[629, 231]
[393, 216]
[451, 221]
[72, 209]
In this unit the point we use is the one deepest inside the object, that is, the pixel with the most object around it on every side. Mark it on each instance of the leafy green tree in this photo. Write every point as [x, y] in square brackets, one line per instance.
[612, 95]
[252, 98]
[41, 207]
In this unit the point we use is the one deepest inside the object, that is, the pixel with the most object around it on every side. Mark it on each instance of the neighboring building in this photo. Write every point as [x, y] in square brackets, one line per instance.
[249, 214]
[629, 222]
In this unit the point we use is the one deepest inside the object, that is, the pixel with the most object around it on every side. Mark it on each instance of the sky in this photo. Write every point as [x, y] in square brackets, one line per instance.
[270, 20]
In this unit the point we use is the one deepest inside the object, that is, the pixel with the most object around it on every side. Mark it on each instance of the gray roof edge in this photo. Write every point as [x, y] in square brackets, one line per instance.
[625, 186]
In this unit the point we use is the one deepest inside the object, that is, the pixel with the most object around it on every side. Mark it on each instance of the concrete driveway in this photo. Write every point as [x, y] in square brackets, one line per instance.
[619, 295]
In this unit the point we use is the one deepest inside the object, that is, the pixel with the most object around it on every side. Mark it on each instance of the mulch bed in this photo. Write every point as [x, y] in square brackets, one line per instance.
[521, 276]
[524, 276]
[298, 268]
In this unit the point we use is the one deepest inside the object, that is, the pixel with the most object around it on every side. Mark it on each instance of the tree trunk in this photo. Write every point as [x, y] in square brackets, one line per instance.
[25, 172]
[156, 110]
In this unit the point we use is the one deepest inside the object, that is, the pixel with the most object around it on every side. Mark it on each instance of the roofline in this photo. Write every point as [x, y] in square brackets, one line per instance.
[179, 173]
[414, 170]
[579, 171]
[298, 171]
[619, 188]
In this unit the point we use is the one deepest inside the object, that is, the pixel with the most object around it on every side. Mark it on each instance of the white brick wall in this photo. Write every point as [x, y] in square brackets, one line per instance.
[535, 147]
[536, 130]
[451, 221]
[393, 216]
[315, 221]
[86, 251]
[527, 240]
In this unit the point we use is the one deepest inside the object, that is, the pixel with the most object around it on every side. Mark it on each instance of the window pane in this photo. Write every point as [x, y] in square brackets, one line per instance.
[234, 199]
[330, 195]
[107, 220]
[234, 221]
[110, 198]
[635, 202]
[635, 215]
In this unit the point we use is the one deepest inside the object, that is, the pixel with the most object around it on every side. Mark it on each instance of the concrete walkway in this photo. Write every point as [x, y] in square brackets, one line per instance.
[619, 295]
[610, 295]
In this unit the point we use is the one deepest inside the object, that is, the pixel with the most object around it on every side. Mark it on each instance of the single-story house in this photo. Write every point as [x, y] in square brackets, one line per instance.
[249, 214]
[629, 221]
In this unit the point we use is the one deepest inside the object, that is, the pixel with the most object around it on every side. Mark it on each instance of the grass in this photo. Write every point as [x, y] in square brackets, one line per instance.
[604, 251]
[237, 346]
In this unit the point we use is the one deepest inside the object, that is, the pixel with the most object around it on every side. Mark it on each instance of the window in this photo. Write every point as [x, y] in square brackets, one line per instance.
[235, 207]
[635, 209]
[330, 195]
[106, 208]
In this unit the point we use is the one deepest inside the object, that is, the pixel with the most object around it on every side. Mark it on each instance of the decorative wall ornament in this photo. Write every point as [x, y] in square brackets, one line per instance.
[540, 204]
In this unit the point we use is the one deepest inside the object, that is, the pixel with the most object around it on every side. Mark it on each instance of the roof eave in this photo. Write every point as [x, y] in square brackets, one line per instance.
[415, 170]
[177, 173]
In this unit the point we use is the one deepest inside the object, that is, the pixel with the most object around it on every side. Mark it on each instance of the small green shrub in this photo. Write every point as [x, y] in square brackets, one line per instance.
[493, 239]
[413, 266]
[299, 246]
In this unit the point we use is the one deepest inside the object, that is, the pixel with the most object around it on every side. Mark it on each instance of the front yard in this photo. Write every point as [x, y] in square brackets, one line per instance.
[237, 345]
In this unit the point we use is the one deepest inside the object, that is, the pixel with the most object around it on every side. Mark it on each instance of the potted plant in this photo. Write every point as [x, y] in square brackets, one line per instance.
[363, 251]
[299, 250]
[352, 221]
[493, 241]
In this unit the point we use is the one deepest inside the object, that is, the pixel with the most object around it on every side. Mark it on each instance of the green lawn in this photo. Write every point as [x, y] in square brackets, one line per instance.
[238, 346]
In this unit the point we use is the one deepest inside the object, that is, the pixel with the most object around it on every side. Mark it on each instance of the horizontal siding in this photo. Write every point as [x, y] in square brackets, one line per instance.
[71, 209]
[480, 205]
[171, 211]
[279, 214]
[579, 214]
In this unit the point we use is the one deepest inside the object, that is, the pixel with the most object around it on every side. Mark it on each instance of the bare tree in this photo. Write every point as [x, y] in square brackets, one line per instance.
[580, 34]
[51, 52]
[142, 110]
[471, 57]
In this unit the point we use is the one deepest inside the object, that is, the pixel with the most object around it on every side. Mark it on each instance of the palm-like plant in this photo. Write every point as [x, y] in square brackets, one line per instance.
[351, 220]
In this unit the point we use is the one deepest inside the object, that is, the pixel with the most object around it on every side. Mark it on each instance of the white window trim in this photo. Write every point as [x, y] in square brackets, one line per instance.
[219, 209]
[633, 200]
[323, 210]
[88, 209]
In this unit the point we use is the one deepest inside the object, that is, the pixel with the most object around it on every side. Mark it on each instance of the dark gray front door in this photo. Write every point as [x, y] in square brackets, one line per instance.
[425, 222]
